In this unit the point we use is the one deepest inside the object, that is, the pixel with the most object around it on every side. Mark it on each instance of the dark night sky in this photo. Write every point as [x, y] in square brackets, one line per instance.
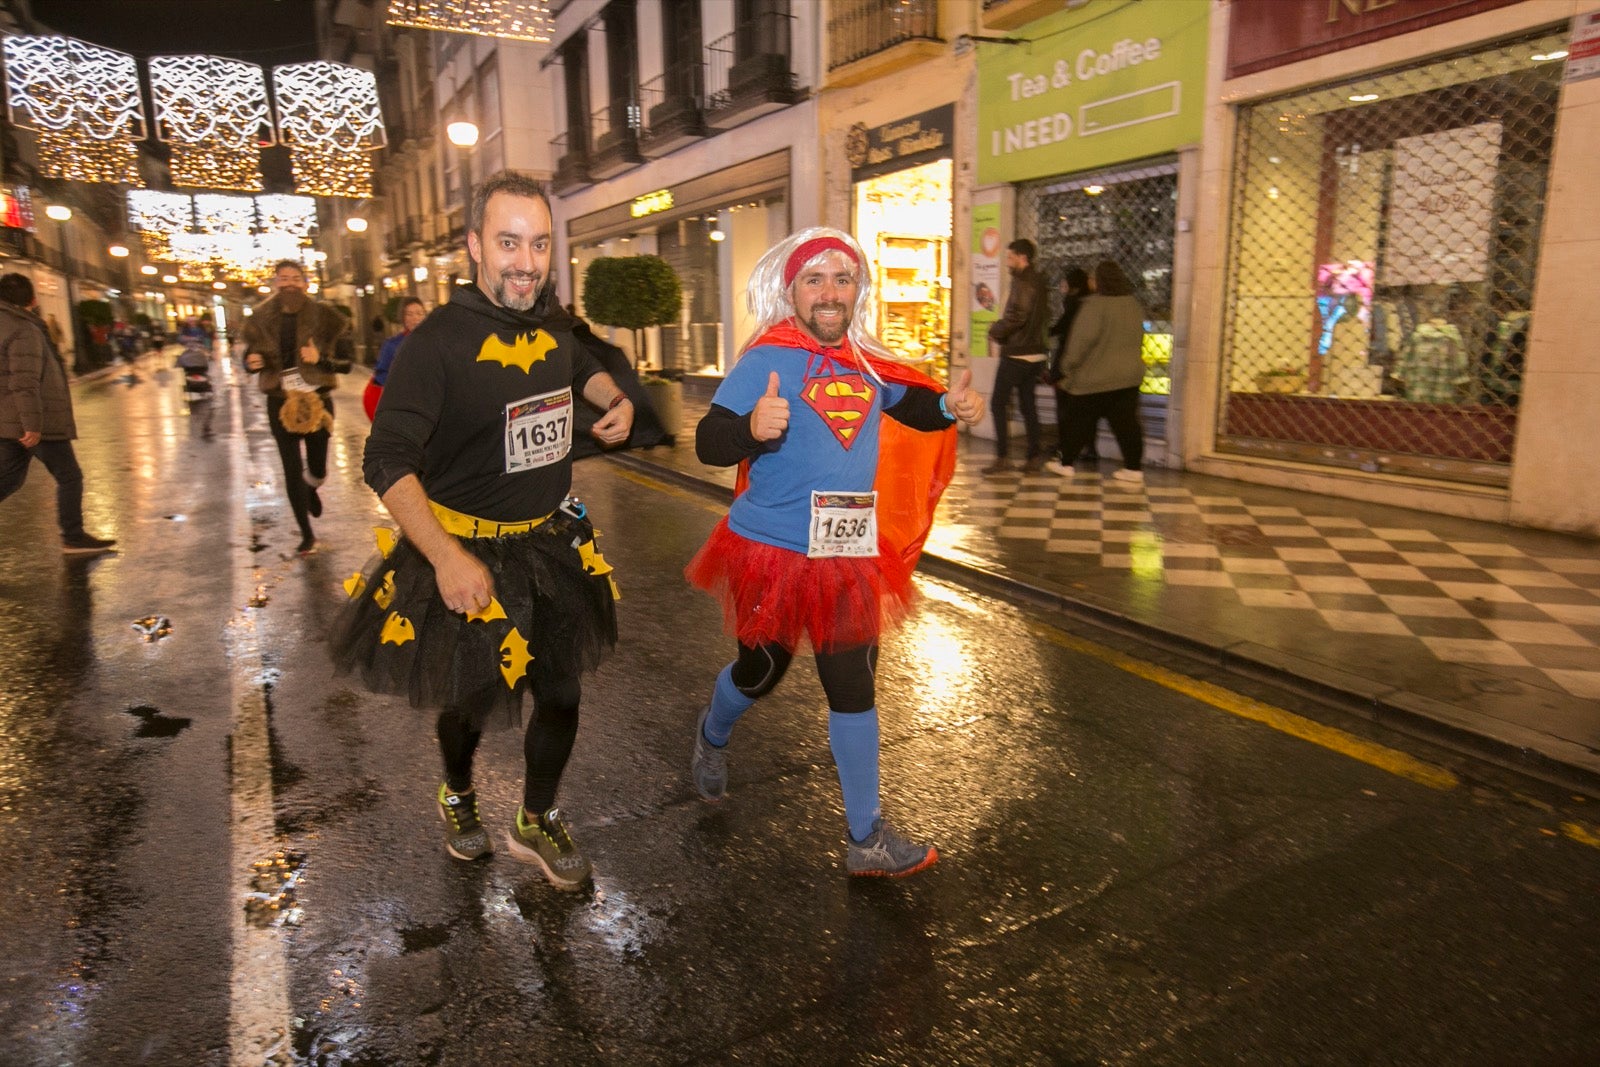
[267, 32]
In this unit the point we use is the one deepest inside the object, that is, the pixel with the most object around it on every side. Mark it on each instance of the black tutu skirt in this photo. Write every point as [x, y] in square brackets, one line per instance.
[553, 617]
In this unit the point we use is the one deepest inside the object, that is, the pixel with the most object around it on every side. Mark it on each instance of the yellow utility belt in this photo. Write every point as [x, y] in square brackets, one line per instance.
[461, 524]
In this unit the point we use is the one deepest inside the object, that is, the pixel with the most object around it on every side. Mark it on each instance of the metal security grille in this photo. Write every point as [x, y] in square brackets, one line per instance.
[1384, 239]
[1128, 215]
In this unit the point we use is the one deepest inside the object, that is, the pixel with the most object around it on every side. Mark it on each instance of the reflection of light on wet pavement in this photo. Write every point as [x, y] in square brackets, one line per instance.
[1144, 554]
[624, 927]
[153, 627]
[274, 881]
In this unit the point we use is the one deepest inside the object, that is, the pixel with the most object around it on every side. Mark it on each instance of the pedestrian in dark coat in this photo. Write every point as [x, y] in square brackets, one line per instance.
[36, 412]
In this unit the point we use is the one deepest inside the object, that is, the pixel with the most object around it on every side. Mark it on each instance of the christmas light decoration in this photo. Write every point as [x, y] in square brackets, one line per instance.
[296, 215]
[519, 20]
[213, 234]
[156, 216]
[83, 101]
[216, 213]
[328, 115]
[214, 114]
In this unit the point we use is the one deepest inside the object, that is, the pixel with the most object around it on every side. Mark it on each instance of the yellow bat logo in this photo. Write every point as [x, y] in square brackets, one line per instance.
[488, 614]
[514, 658]
[524, 352]
[385, 592]
[397, 630]
[386, 539]
[355, 585]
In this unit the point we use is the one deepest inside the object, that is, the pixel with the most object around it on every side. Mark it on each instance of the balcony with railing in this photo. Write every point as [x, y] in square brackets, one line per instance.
[615, 132]
[674, 110]
[749, 72]
[1009, 14]
[572, 161]
[871, 38]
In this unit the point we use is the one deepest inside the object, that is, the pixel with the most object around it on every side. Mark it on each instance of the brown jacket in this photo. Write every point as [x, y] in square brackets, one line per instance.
[314, 322]
[34, 395]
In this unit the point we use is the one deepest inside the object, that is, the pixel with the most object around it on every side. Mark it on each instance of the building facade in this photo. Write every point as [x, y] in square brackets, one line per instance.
[686, 129]
[1087, 133]
[1393, 232]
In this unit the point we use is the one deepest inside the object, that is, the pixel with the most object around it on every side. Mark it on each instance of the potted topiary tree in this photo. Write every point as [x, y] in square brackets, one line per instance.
[635, 293]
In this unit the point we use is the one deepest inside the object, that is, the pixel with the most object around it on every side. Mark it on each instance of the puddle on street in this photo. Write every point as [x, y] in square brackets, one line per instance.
[154, 724]
[274, 882]
[153, 627]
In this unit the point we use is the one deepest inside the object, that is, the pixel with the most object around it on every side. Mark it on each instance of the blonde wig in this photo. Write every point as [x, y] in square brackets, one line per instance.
[771, 300]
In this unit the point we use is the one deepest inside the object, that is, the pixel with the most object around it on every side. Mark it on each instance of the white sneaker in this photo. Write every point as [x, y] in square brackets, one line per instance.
[1131, 477]
[1059, 469]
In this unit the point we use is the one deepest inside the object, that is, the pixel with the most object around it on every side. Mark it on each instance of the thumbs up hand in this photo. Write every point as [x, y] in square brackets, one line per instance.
[964, 402]
[770, 418]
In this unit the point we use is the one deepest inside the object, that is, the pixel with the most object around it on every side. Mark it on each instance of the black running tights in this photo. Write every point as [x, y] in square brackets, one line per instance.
[545, 747]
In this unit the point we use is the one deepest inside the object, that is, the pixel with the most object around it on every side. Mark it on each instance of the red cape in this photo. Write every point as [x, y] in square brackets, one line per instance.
[914, 466]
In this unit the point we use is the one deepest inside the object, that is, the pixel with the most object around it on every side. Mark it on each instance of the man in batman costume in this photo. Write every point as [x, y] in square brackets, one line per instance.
[497, 585]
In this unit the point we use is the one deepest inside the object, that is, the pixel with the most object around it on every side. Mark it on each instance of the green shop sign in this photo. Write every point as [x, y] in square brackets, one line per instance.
[1110, 81]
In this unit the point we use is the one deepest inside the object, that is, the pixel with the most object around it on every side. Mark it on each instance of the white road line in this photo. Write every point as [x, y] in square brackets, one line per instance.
[258, 1014]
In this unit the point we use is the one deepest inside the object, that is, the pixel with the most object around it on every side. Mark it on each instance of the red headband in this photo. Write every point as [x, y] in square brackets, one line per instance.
[810, 250]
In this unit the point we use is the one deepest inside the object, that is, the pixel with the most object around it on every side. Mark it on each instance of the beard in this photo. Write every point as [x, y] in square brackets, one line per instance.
[292, 299]
[830, 334]
[516, 302]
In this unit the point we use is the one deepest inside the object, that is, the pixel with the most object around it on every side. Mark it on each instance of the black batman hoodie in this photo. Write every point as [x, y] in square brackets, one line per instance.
[481, 405]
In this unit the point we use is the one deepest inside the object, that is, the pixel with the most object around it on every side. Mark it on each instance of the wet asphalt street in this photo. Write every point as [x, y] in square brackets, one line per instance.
[219, 853]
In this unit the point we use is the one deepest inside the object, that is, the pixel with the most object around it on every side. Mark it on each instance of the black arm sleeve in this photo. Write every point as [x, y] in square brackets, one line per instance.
[407, 417]
[920, 410]
[723, 438]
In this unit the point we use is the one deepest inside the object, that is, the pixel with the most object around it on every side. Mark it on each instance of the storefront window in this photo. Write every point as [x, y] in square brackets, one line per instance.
[903, 222]
[1384, 241]
[1129, 216]
[690, 345]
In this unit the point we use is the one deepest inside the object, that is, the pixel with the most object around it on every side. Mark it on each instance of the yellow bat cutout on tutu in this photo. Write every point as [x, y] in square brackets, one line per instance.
[489, 614]
[514, 658]
[397, 630]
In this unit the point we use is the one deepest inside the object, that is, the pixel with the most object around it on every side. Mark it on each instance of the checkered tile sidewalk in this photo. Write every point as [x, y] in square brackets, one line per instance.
[1532, 615]
[1476, 625]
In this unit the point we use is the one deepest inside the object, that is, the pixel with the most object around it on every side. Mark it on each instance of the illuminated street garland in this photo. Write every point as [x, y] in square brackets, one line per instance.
[519, 20]
[329, 117]
[217, 213]
[84, 102]
[211, 234]
[214, 114]
[156, 216]
[283, 212]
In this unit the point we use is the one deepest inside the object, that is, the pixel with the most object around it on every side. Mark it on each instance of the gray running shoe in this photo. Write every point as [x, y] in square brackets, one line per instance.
[886, 854]
[464, 838]
[545, 841]
[709, 765]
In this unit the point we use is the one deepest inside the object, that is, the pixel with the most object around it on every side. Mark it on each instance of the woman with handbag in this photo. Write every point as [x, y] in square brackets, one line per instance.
[298, 345]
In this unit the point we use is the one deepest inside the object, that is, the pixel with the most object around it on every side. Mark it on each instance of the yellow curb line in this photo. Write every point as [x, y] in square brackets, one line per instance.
[1328, 737]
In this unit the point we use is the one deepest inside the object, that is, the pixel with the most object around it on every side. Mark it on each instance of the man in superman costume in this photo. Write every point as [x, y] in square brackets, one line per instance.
[843, 453]
[497, 586]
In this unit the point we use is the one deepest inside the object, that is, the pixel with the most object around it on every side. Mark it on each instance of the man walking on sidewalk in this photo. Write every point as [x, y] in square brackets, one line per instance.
[1020, 335]
[36, 412]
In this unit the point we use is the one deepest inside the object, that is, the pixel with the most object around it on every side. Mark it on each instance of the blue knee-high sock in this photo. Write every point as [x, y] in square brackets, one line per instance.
[854, 740]
[727, 704]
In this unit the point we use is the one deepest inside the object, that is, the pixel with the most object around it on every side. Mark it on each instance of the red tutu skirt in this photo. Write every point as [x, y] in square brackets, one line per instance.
[776, 595]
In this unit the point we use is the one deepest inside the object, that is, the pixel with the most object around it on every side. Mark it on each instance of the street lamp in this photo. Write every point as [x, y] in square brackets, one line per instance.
[80, 355]
[369, 344]
[464, 135]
